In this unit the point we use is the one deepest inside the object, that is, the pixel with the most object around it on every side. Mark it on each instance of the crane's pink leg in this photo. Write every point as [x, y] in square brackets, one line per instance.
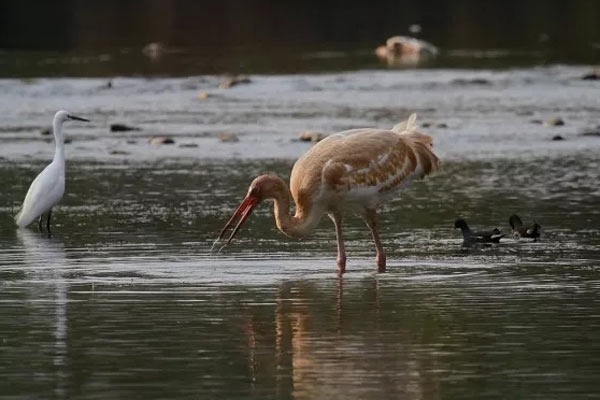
[372, 222]
[341, 256]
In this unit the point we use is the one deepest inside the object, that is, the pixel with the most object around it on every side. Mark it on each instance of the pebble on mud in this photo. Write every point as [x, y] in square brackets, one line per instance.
[311, 136]
[122, 128]
[233, 81]
[119, 153]
[228, 137]
[591, 132]
[161, 140]
[473, 81]
[592, 75]
[555, 121]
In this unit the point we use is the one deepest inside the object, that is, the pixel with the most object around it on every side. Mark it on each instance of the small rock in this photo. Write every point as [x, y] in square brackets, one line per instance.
[161, 140]
[555, 121]
[558, 137]
[593, 75]
[426, 124]
[310, 136]
[233, 81]
[122, 128]
[228, 137]
[474, 81]
[591, 132]
[525, 113]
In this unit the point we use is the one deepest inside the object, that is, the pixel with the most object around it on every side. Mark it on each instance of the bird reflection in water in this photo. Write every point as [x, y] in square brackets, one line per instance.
[45, 259]
[342, 350]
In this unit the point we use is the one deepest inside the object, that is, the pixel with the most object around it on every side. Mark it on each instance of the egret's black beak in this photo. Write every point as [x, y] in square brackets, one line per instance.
[76, 118]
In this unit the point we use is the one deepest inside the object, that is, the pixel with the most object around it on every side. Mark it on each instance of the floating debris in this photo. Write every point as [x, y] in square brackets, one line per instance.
[123, 128]
[154, 50]
[311, 136]
[161, 140]
[405, 51]
[228, 137]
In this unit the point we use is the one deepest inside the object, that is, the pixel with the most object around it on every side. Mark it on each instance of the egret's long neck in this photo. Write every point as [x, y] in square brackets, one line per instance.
[297, 225]
[59, 153]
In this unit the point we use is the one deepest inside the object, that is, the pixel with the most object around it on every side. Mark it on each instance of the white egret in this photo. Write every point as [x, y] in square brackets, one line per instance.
[48, 187]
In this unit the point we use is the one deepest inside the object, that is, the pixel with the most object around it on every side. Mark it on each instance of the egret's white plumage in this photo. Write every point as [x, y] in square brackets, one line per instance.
[360, 168]
[48, 187]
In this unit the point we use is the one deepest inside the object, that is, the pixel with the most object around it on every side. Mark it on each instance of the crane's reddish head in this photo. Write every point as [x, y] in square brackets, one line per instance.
[261, 188]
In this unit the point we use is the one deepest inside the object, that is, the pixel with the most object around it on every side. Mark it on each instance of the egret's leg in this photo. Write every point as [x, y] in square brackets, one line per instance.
[372, 223]
[341, 256]
[48, 221]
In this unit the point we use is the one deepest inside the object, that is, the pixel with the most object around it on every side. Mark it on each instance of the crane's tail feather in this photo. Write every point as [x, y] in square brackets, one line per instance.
[410, 125]
[420, 143]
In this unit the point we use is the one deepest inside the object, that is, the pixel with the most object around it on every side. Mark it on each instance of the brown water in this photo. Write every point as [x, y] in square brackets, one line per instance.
[127, 301]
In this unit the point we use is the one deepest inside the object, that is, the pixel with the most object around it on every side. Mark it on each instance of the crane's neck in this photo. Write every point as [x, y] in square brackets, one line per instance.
[59, 153]
[302, 223]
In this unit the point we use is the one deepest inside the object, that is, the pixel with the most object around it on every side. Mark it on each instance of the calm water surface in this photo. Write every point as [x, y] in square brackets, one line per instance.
[126, 300]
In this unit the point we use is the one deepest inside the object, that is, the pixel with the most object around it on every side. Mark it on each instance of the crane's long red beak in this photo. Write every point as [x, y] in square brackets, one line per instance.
[240, 215]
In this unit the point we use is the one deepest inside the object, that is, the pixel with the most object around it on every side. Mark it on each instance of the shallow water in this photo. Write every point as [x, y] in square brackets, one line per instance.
[126, 299]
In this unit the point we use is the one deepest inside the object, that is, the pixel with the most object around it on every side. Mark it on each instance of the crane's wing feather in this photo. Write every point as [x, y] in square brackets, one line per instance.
[370, 162]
